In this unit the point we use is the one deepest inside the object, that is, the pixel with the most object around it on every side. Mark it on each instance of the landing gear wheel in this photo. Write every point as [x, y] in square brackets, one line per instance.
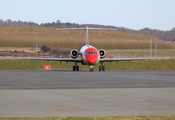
[103, 68]
[100, 68]
[74, 68]
[77, 68]
[91, 69]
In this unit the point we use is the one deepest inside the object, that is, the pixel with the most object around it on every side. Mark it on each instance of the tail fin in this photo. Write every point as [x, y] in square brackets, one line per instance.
[86, 29]
[87, 36]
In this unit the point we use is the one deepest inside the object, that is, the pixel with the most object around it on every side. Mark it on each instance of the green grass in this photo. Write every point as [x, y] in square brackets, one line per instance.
[55, 65]
[99, 118]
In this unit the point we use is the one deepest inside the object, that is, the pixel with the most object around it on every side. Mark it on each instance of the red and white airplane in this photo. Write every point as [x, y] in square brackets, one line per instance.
[89, 55]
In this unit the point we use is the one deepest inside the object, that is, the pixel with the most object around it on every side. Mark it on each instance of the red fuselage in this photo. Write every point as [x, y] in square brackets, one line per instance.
[91, 56]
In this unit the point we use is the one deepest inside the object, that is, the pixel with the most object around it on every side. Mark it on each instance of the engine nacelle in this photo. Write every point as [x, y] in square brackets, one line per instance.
[102, 53]
[74, 53]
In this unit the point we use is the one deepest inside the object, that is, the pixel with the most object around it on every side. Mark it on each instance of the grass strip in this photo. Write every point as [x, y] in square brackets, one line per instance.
[56, 65]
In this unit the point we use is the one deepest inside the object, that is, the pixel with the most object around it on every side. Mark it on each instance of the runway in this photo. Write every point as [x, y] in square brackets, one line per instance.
[67, 79]
[67, 93]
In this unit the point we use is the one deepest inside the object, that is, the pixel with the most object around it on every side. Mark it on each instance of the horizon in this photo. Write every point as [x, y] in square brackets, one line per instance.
[133, 14]
[83, 24]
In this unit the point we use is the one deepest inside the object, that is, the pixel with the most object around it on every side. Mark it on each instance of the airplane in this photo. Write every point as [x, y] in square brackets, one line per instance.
[89, 55]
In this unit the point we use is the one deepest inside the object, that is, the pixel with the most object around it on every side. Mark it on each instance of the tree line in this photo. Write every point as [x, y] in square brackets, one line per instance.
[159, 34]
[19, 23]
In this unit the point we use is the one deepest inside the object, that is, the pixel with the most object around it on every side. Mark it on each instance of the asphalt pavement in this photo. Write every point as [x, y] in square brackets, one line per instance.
[67, 93]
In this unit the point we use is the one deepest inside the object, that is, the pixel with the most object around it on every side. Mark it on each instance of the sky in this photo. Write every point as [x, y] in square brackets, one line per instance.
[132, 14]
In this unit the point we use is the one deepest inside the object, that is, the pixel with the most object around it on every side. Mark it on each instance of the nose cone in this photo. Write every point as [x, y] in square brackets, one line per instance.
[91, 61]
[91, 56]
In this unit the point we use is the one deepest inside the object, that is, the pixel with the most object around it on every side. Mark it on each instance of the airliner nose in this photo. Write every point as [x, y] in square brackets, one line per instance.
[91, 62]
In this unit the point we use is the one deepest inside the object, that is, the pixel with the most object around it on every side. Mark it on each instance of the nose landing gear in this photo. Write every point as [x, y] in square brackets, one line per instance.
[91, 69]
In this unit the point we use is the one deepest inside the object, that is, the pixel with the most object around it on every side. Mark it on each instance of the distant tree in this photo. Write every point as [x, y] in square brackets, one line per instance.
[58, 21]
[46, 24]
[44, 48]
[53, 24]
[173, 39]
[68, 24]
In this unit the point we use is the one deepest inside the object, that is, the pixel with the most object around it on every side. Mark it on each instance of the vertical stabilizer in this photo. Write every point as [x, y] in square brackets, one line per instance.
[87, 37]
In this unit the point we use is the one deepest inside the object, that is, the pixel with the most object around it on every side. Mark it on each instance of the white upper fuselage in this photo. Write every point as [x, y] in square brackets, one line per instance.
[82, 50]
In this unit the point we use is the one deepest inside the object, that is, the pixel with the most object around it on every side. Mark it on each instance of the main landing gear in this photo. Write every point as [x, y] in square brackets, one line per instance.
[75, 67]
[101, 67]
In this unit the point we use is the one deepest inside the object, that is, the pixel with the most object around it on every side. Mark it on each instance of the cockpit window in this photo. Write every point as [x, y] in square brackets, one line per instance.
[95, 52]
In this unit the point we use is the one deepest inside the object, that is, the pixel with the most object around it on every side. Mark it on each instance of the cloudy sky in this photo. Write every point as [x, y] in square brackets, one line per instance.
[133, 14]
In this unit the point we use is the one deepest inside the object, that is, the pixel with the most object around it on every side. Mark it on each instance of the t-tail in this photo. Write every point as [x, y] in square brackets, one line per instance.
[86, 29]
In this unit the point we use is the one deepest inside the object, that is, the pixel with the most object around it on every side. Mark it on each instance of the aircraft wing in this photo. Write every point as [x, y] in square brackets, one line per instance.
[50, 59]
[128, 59]
[79, 60]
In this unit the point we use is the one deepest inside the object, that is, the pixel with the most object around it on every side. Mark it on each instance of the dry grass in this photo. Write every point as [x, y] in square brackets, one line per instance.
[28, 37]
[110, 53]
[132, 53]
[26, 49]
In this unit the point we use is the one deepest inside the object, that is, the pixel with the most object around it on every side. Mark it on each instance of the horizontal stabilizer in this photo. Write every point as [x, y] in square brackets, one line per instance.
[86, 29]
